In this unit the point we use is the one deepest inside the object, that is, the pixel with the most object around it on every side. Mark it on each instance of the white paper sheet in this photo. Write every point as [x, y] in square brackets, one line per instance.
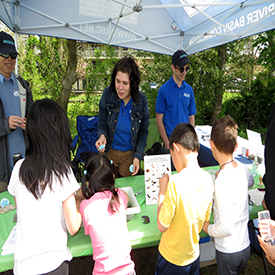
[256, 196]
[9, 245]
[154, 168]
[255, 143]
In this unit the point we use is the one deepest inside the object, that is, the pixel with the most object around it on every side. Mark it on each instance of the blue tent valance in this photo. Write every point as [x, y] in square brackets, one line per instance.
[161, 26]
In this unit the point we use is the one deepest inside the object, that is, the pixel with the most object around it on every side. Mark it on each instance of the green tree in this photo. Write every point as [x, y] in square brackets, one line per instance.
[242, 61]
[46, 61]
[207, 77]
[99, 68]
[98, 74]
[49, 64]
[265, 43]
[158, 72]
[70, 74]
[27, 65]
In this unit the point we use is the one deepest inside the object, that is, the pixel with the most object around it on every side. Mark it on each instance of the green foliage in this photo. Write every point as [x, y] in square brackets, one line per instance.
[99, 68]
[252, 109]
[28, 65]
[151, 95]
[265, 42]
[158, 72]
[242, 59]
[204, 77]
[98, 74]
[79, 106]
[44, 62]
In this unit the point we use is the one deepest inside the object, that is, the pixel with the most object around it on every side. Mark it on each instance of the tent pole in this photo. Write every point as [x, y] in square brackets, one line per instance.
[16, 46]
[181, 40]
[113, 32]
[120, 15]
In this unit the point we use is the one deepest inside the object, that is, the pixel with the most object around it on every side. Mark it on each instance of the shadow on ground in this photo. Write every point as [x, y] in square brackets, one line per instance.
[145, 262]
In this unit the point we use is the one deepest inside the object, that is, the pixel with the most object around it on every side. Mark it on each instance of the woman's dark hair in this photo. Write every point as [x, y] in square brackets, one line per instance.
[99, 173]
[48, 140]
[127, 65]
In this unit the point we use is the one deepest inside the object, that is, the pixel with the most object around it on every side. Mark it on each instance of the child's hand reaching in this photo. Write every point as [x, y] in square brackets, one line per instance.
[163, 182]
[205, 227]
[266, 227]
[268, 250]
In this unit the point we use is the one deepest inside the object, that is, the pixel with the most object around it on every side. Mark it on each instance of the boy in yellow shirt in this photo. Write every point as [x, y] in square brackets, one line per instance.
[184, 204]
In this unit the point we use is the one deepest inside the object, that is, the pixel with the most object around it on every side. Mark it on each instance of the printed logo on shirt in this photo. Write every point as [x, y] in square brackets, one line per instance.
[15, 93]
[186, 95]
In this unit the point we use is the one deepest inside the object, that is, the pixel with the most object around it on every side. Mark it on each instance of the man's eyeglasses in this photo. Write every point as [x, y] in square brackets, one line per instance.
[182, 69]
[6, 55]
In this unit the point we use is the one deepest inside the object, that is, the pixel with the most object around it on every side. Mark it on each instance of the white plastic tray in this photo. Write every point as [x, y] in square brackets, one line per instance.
[133, 206]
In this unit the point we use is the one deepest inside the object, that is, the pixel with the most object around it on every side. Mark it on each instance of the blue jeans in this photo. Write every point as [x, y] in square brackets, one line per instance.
[166, 268]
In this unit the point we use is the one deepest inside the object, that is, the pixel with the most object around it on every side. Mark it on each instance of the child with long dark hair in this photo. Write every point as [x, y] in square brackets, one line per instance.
[104, 218]
[43, 185]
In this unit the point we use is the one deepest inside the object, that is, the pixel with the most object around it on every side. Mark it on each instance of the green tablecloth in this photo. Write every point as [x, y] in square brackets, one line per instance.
[141, 235]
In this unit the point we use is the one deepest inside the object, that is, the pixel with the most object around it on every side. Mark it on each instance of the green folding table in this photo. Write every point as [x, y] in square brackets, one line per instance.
[141, 234]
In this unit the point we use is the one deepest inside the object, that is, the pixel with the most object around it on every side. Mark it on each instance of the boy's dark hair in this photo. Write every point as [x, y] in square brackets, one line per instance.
[99, 173]
[127, 65]
[48, 141]
[185, 135]
[224, 134]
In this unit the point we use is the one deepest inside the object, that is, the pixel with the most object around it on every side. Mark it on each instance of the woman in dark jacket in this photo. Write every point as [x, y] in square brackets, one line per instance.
[123, 119]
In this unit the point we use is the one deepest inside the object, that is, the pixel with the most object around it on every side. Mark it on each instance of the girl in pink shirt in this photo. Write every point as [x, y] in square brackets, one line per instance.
[104, 217]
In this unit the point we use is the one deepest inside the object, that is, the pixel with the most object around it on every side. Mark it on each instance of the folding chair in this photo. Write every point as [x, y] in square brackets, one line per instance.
[84, 142]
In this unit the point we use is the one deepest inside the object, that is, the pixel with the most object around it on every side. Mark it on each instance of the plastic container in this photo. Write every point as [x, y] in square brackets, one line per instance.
[207, 251]
[133, 206]
[255, 166]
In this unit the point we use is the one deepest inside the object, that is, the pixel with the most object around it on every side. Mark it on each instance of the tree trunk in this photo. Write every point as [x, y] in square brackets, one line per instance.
[69, 77]
[222, 52]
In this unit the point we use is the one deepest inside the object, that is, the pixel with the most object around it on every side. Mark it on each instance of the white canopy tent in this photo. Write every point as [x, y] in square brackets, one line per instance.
[161, 26]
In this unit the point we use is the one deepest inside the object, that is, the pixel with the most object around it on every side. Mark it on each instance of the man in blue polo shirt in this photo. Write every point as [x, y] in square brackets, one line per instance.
[175, 101]
[15, 102]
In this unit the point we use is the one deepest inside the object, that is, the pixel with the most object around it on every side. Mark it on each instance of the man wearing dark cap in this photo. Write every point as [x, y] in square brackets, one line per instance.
[15, 102]
[175, 101]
